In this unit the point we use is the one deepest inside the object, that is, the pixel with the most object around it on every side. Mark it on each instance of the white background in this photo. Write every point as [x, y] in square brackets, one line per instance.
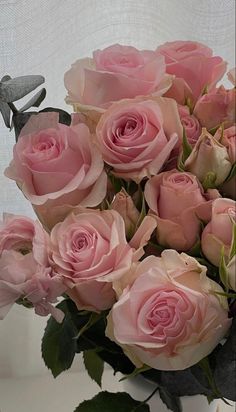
[45, 37]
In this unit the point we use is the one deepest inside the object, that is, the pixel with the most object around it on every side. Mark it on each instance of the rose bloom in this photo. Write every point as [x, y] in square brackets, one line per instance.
[115, 73]
[190, 123]
[215, 108]
[194, 66]
[169, 318]
[228, 139]
[178, 202]
[218, 232]
[90, 251]
[57, 167]
[25, 272]
[136, 136]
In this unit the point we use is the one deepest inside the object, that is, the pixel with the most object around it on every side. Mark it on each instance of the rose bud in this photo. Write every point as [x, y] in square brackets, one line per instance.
[218, 232]
[190, 123]
[227, 138]
[124, 205]
[209, 157]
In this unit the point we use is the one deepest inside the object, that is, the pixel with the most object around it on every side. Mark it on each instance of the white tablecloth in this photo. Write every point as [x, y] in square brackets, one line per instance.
[46, 394]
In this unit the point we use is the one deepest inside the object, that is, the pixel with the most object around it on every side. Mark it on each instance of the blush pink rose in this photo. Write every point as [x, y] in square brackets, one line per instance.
[228, 139]
[190, 123]
[169, 318]
[90, 251]
[215, 108]
[57, 167]
[219, 231]
[136, 136]
[115, 73]
[178, 202]
[25, 271]
[194, 64]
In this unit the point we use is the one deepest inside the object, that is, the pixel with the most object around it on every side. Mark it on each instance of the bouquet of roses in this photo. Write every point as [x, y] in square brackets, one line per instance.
[134, 192]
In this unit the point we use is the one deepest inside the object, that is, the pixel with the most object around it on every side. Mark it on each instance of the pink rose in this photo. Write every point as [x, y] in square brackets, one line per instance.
[25, 272]
[136, 137]
[115, 73]
[57, 167]
[228, 139]
[190, 123]
[124, 205]
[169, 318]
[215, 108]
[178, 202]
[90, 251]
[218, 232]
[194, 64]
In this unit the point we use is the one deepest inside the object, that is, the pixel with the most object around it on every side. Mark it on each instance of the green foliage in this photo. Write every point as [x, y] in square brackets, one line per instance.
[59, 343]
[108, 402]
[94, 365]
[172, 402]
[209, 181]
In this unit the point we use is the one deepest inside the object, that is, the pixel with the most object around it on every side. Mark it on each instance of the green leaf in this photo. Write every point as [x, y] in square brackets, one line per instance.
[93, 318]
[109, 402]
[223, 269]
[232, 173]
[14, 89]
[58, 343]
[94, 365]
[35, 101]
[209, 181]
[172, 402]
[233, 243]
[187, 148]
[136, 372]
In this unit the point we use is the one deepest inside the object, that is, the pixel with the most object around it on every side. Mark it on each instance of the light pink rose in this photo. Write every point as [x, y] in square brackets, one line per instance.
[218, 232]
[190, 123]
[136, 136]
[90, 251]
[25, 271]
[228, 139]
[215, 108]
[57, 167]
[169, 318]
[124, 205]
[194, 64]
[115, 73]
[178, 202]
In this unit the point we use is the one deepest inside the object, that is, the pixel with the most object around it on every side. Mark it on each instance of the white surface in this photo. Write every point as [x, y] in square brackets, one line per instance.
[45, 37]
[44, 394]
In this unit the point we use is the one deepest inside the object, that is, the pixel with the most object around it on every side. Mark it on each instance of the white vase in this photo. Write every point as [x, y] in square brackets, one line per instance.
[139, 388]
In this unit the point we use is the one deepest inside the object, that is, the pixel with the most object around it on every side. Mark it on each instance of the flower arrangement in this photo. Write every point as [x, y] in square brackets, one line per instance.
[134, 192]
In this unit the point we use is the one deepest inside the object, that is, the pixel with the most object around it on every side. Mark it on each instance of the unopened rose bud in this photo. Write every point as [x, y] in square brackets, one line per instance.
[209, 160]
[124, 205]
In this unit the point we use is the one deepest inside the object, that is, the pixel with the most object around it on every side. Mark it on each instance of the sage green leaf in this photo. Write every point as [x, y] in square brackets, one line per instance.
[6, 113]
[14, 89]
[35, 101]
[94, 365]
[112, 402]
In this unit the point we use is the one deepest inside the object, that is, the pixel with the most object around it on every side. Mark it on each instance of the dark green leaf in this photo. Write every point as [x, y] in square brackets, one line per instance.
[232, 172]
[109, 402]
[94, 365]
[14, 89]
[19, 120]
[64, 117]
[172, 402]
[225, 369]
[6, 113]
[35, 101]
[59, 343]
